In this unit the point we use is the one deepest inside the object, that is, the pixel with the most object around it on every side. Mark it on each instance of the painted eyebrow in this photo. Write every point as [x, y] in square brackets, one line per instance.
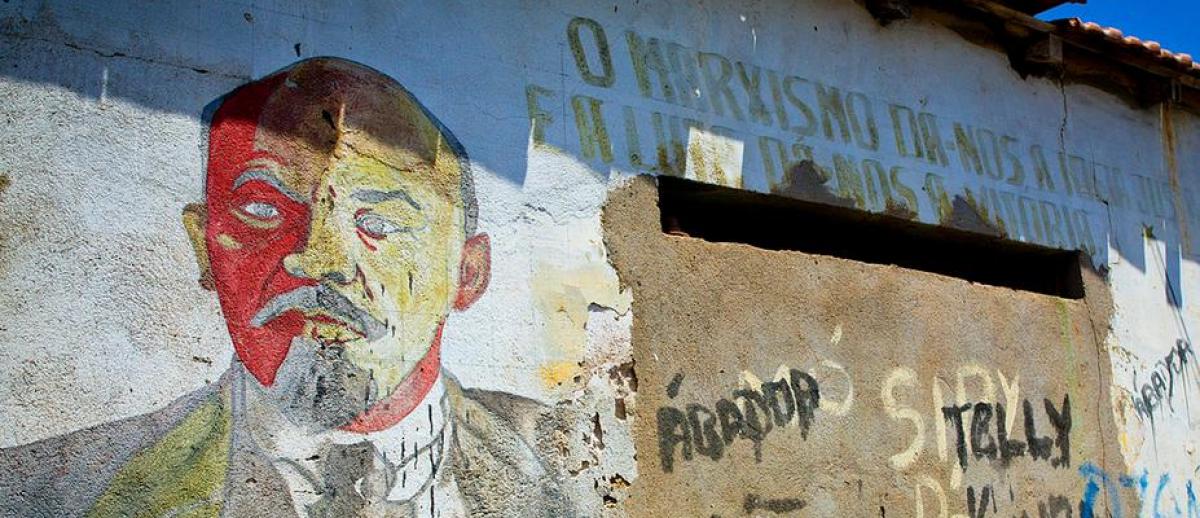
[369, 196]
[269, 178]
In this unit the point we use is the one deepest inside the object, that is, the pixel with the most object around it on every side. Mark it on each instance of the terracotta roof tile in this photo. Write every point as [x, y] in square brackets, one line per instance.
[1114, 36]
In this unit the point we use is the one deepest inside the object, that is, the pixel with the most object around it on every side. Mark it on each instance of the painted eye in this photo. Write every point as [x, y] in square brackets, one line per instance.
[260, 210]
[376, 226]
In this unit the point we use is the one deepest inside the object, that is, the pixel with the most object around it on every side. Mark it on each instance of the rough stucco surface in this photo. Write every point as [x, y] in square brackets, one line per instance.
[710, 316]
[591, 313]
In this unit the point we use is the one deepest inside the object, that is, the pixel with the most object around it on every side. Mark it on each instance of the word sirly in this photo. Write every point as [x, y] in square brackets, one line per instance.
[698, 429]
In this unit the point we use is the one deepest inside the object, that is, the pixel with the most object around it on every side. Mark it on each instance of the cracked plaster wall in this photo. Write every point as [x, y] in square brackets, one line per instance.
[102, 317]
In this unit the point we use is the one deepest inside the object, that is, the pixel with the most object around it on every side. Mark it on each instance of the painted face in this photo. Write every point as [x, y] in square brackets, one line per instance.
[334, 224]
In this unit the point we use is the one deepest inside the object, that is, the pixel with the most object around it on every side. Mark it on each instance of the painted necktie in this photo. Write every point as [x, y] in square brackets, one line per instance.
[352, 481]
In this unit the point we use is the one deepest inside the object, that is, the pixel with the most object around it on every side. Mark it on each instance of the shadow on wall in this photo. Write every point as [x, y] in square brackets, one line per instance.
[57, 43]
[175, 57]
[169, 62]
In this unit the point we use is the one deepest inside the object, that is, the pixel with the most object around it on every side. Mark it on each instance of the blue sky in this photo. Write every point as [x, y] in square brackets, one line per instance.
[1173, 23]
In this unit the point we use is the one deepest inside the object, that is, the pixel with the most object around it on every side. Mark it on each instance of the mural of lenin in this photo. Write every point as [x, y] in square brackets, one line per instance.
[338, 231]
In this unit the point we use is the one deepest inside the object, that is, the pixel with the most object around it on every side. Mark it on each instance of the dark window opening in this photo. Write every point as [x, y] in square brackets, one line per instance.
[723, 214]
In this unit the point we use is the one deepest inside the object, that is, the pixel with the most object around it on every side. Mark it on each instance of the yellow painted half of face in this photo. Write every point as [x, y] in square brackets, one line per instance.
[387, 234]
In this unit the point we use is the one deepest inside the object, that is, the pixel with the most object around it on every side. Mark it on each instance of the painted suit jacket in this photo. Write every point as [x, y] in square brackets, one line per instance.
[184, 461]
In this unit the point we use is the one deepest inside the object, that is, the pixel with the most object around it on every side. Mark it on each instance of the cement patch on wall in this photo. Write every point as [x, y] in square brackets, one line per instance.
[785, 381]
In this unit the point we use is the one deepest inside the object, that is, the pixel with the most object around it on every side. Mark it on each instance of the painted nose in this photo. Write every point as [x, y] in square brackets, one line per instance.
[324, 256]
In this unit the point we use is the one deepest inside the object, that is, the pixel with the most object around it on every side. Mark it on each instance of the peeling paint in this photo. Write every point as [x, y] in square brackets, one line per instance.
[470, 188]
[966, 215]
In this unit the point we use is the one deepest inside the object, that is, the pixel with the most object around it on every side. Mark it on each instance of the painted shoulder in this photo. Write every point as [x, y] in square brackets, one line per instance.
[182, 474]
[90, 470]
[504, 460]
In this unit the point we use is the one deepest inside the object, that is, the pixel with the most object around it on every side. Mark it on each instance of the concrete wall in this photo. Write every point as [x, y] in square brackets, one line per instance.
[565, 355]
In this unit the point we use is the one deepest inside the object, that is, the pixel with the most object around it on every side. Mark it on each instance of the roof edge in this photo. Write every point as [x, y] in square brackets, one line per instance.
[1068, 49]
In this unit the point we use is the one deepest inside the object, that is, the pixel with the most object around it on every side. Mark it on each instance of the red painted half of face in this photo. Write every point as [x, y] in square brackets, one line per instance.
[250, 229]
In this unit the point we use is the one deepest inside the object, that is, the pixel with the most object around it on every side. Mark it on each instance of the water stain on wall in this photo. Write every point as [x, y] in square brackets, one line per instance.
[564, 296]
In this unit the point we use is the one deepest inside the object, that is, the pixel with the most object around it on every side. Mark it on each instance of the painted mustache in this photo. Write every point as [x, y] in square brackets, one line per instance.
[326, 299]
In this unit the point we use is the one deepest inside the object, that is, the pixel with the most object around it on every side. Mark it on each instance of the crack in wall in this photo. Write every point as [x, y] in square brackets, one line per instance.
[122, 55]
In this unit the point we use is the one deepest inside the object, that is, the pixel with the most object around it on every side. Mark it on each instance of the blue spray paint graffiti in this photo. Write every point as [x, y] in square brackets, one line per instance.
[1164, 504]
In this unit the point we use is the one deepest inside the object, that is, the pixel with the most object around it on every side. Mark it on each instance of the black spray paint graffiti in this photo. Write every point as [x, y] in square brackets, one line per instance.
[977, 509]
[1001, 446]
[984, 503]
[754, 502]
[1168, 377]
[747, 414]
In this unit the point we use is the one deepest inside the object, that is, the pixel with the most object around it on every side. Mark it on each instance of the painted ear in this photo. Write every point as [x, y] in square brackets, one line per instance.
[474, 271]
[195, 219]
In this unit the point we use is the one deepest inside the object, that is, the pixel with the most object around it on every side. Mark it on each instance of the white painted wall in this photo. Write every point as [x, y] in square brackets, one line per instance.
[102, 317]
